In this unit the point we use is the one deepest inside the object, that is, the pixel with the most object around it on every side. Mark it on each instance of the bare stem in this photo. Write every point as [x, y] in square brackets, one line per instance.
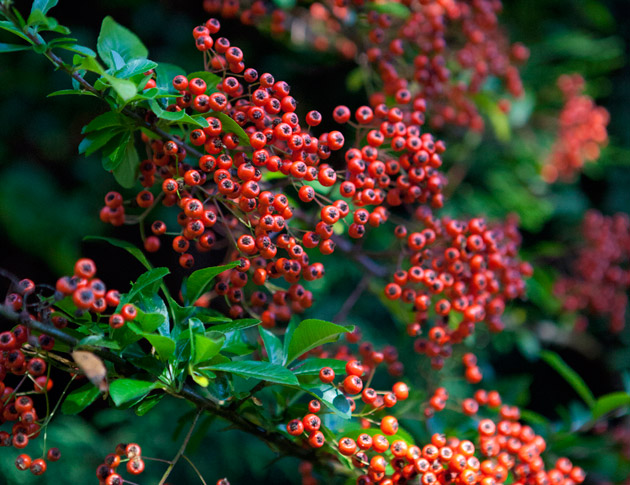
[181, 450]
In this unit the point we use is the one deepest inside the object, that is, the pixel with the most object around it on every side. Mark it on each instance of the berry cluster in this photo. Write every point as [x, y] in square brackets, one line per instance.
[447, 68]
[460, 271]
[23, 357]
[131, 453]
[354, 389]
[581, 134]
[89, 294]
[600, 275]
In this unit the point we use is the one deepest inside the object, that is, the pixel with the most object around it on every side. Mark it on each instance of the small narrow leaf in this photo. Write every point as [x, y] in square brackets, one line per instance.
[273, 346]
[312, 333]
[235, 325]
[133, 250]
[199, 280]
[311, 367]
[79, 399]
[257, 370]
[13, 47]
[126, 390]
[609, 402]
[569, 375]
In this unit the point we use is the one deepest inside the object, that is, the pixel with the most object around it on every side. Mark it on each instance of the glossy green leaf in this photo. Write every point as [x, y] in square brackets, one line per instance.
[149, 403]
[569, 375]
[123, 87]
[257, 370]
[13, 47]
[9, 27]
[164, 346]
[106, 120]
[199, 280]
[164, 74]
[332, 397]
[231, 126]
[64, 92]
[99, 341]
[235, 325]
[79, 399]
[43, 5]
[181, 116]
[115, 37]
[126, 390]
[311, 367]
[207, 347]
[150, 279]
[97, 140]
[312, 333]
[394, 9]
[610, 402]
[273, 346]
[134, 67]
[119, 243]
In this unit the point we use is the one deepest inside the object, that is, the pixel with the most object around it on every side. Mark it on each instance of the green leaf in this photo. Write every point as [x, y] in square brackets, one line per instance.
[9, 27]
[257, 370]
[569, 375]
[394, 9]
[149, 403]
[231, 126]
[89, 63]
[273, 346]
[199, 280]
[235, 325]
[207, 347]
[99, 139]
[13, 47]
[125, 171]
[609, 402]
[134, 67]
[106, 120]
[164, 346]
[312, 333]
[123, 87]
[63, 92]
[332, 397]
[311, 367]
[115, 37]
[79, 49]
[126, 390]
[176, 115]
[133, 250]
[43, 5]
[164, 74]
[79, 399]
[99, 341]
[150, 278]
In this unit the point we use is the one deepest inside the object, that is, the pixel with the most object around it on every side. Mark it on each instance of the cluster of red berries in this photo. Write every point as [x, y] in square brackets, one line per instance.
[354, 388]
[600, 274]
[581, 134]
[130, 453]
[461, 271]
[23, 357]
[90, 294]
[37, 466]
[448, 68]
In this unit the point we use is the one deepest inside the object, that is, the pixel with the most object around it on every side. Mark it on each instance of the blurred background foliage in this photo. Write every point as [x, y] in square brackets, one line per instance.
[51, 196]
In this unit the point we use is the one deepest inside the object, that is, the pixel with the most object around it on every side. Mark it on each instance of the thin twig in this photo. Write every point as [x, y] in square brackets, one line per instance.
[181, 450]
